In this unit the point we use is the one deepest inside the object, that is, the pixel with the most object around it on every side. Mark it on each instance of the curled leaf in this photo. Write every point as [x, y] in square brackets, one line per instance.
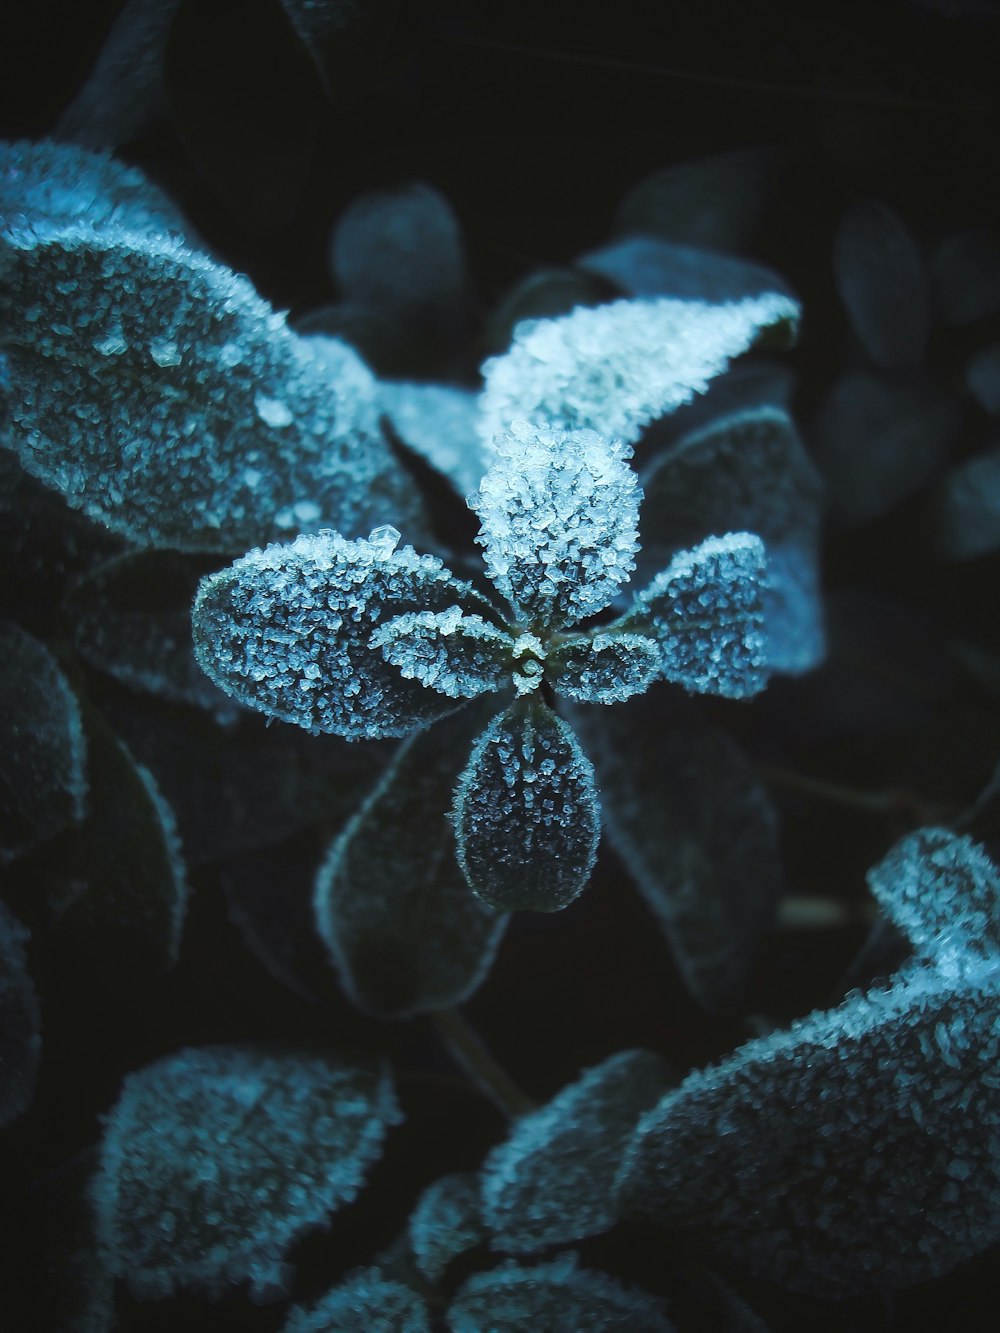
[458, 655]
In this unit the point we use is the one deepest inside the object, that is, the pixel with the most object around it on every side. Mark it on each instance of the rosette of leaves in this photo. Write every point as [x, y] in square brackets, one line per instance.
[367, 640]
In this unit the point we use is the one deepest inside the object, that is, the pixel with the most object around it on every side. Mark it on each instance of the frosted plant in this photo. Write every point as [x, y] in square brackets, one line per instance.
[366, 639]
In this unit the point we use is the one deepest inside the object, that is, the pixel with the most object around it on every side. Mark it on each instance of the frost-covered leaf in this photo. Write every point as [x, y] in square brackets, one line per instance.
[944, 893]
[713, 201]
[617, 367]
[400, 251]
[966, 272]
[963, 512]
[123, 95]
[440, 423]
[20, 1022]
[876, 443]
[558, 519]
[527, 818]
[446, 1222]
[164, 398]
[982, 376]
[746, 470]
[366, 1302]
[541, 294]
[215, 1160]
[131, 618]
[603, 668]
[457, 655]
[287, 630]
[392, 905]
[882, 280]
[552, 1181]
[558, 1296]
[645, 266]
[853, 1152]
[696, 830]
[704, 612]
[43, 779]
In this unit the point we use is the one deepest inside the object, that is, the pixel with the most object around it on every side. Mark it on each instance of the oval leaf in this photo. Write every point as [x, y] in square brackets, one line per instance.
[446, 1222]
[645, 266]
[963, 512]
[603, 669]
[457, 655]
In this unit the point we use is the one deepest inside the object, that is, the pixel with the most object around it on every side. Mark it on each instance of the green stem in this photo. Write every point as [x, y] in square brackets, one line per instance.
[473, 1056]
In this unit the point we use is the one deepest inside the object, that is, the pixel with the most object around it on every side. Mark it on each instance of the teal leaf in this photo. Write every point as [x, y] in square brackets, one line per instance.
[696, 830]
[365, 1302]
[705, 613]
[850, 1153]
[440, 424]
[617, 367]
[287, 630]
[557, 1296]
[20, 1022]
[526, 814]
[215, 1160]
[446, 1222]
[161, 396]
[963, 512]
[558, 519]
[603, 668]
[982, 378]
[966, 273]
[746, 470]
[552, 1181]
[458, 655]
[943, 892]
[543, 293]
[43, 779]
[403, 930]
[645, 266]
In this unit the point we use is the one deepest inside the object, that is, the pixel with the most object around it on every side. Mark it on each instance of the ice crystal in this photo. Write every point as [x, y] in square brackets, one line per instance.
[604, 668]
[457, 655]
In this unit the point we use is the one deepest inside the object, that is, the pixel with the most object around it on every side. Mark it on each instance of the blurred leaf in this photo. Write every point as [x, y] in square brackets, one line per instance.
[645, 266]
[541, 294]
[982, 376]
[962, 513]
[216, 1160]
[20, 1022]
[966, 272]
[439, 423]
[404, 930]
[446, 1223]
[43, 754]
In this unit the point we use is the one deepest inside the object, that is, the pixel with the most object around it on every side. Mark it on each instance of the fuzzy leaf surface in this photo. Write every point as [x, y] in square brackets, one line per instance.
[366, 1302]
[446, 1222]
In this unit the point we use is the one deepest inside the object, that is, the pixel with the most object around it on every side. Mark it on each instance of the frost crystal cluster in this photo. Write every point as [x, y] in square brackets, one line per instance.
[367, 639]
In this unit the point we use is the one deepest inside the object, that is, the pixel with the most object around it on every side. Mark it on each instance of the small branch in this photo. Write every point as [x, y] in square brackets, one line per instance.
[473, 1056]
[897, 804]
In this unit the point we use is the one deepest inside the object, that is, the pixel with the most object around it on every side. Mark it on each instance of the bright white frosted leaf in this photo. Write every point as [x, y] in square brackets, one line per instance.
[392, 905]
[963, 512]
[557, 1296]
[43, 782]
[944, 893]
[853, 1152]
[982, 375]
[366, 1302]
[882, 280]
[20, 1022]
[966, 271]
[746, 470]
[161, 396]
[705, 613]
[552, 1180]
[558, 515]
[440, 423]
[215, 1160]
[617, 367]
[715, 201]
[287, 630]
[876, 443]
[445, 1223]
[603, 668]
[458, 655]
[527, 818]
[693, 825]
[645, 266]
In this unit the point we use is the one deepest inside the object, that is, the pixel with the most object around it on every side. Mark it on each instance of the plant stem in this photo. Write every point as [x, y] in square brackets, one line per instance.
[811, 912]
[473, 1056]
[896, 803]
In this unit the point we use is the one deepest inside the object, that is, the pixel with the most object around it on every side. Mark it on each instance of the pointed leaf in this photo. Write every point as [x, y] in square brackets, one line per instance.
[365, 1302]
[287, 630]
[43, 782]
[20, 1022]
[944, 893]
[458, 655]
[618, 367]
[696, 830]
[164, 398]
[527, 818]
[439, 423]
[392, 905]
[645, 266]
[704, 612]
[851, 1153]
[446, 1223]
[559, 515]
[557, 1296]
[216, 1160]
[746, 470]
[604, 668]
[552, 1180]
